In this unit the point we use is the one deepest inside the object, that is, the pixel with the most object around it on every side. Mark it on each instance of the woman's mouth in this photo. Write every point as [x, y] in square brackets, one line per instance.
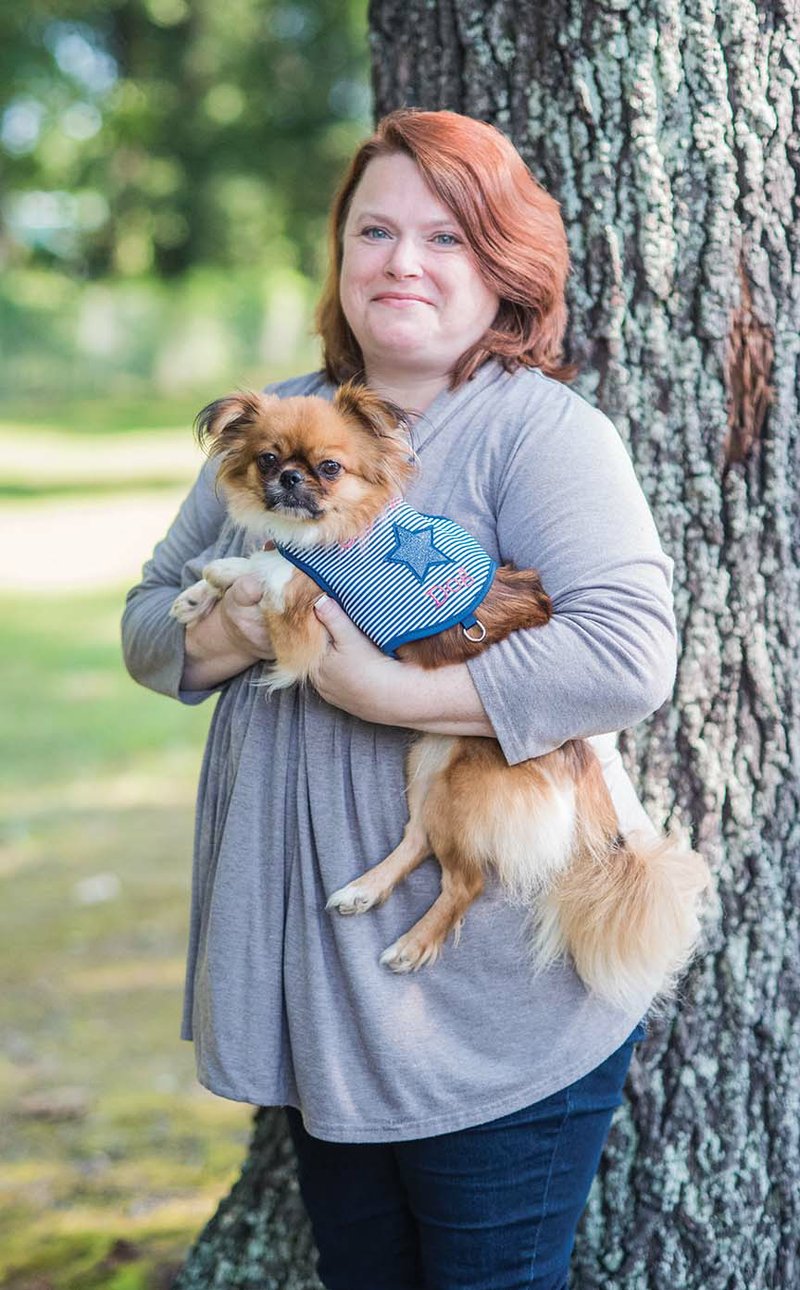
[400, 301]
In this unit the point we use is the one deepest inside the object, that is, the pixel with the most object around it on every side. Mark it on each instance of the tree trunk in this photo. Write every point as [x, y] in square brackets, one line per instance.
[669, 133]
[259, 1238]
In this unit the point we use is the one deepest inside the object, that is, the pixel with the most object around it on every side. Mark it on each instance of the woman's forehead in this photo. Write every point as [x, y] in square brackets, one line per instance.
[394, 184]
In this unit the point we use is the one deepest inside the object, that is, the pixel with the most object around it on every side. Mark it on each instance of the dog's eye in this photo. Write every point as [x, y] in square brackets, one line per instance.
[266, 460]
[330, 469]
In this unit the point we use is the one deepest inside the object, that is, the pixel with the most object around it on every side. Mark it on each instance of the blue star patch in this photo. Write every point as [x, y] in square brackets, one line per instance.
[416, 550]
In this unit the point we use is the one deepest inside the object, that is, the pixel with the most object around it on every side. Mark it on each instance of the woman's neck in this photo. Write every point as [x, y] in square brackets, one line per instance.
[414, 393]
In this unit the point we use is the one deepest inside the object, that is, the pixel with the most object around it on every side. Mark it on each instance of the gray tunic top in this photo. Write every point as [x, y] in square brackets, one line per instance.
[287, 1003]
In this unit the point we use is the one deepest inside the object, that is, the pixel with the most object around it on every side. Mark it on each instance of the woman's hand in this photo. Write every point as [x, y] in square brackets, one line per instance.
[241, 618]
[231, 638]
[358, 677]
[355, 675]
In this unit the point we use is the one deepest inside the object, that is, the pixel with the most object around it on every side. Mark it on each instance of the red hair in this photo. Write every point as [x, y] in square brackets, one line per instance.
[514, 229]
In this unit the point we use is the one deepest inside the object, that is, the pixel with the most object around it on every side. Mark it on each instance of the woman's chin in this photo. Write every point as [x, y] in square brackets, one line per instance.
[401, 347]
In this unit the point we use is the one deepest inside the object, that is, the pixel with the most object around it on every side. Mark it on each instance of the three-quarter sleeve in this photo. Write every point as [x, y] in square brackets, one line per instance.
[568, 503]
[152, 641]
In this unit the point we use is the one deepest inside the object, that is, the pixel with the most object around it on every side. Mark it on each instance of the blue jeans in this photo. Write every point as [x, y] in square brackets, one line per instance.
[493, 1207]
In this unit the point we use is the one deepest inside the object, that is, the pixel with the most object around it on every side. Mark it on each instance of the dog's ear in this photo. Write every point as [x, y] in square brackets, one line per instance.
[380, 416]
[221, 424]
[393, 464]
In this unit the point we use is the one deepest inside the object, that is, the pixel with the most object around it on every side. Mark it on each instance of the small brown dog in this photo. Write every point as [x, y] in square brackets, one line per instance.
[317, 476]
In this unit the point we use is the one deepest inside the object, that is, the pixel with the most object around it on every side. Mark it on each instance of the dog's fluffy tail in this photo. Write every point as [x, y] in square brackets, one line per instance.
[629, 913]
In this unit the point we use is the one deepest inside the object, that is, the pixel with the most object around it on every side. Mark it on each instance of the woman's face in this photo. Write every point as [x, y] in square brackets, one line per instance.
[409, 285]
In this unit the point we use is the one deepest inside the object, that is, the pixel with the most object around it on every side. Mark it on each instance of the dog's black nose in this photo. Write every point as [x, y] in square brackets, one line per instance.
[291, 478]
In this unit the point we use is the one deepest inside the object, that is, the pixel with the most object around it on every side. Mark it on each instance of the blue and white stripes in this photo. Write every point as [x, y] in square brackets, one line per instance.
[408, 576]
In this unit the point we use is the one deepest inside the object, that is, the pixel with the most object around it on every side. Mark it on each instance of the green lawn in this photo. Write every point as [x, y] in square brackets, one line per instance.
[112, 1155]
[70, 710]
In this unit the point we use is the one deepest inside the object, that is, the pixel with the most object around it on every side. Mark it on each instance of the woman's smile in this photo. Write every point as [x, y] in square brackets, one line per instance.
[398, 301]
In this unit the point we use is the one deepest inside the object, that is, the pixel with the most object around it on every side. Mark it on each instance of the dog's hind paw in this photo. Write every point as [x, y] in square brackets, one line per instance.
[407, 955]
[351, 899]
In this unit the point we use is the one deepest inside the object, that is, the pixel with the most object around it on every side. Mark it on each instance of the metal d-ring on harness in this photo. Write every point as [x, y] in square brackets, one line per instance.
[475, 640]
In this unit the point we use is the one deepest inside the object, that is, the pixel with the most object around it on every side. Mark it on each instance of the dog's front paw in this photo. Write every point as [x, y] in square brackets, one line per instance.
[195, 602]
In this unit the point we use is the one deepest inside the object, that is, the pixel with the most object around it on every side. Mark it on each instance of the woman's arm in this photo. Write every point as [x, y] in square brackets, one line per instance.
[153, 643]
[569, 504]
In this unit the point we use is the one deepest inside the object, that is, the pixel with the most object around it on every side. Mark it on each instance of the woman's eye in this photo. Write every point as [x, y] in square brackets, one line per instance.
[374, 233]
[447, 239]
[266, 460]
[330, 469]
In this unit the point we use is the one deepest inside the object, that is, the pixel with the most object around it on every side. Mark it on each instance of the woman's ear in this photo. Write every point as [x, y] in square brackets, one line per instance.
[222, 423]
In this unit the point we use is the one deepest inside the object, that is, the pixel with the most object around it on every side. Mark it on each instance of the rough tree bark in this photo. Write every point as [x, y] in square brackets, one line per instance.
[669, 130]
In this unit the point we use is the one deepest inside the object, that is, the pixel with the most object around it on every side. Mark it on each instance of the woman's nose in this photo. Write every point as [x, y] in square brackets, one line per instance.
[404, 260]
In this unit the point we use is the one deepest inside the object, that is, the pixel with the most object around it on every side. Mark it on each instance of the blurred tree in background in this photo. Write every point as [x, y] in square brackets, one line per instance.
[180, 154]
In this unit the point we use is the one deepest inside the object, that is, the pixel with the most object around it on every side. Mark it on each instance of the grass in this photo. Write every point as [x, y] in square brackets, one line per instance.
[108, 412]
[70, 711]
[113, 1156]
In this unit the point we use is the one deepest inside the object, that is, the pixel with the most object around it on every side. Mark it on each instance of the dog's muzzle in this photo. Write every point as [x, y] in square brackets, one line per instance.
[288, 494]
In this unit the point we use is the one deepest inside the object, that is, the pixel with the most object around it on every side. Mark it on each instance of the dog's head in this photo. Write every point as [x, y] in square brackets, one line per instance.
[306, 470]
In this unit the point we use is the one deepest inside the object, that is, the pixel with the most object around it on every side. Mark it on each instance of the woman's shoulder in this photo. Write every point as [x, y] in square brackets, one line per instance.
[531, 391]
[540, 410]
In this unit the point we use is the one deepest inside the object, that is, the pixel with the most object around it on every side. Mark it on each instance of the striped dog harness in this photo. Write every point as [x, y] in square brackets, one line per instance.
[407, 576]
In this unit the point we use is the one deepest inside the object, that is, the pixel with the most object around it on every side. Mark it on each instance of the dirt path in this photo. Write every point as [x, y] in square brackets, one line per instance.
[83, 543]
[65, 544]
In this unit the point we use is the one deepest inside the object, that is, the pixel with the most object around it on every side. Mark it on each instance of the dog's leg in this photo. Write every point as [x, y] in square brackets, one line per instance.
[275, 572]
[428, 757]
[461, 885]
[462, 867]
[479, 810]
[378, 883]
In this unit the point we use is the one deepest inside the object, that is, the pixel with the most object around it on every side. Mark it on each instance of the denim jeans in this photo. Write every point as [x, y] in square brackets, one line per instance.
[493, 1207]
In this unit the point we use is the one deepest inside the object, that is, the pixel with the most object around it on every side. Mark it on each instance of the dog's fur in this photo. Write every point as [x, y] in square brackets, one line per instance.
[626, 909]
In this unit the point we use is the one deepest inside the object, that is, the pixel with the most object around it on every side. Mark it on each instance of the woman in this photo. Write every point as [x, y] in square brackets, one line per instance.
[448, 1124]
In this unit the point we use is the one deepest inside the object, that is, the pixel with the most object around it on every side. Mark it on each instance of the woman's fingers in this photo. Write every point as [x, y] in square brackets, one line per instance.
[339, 627]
